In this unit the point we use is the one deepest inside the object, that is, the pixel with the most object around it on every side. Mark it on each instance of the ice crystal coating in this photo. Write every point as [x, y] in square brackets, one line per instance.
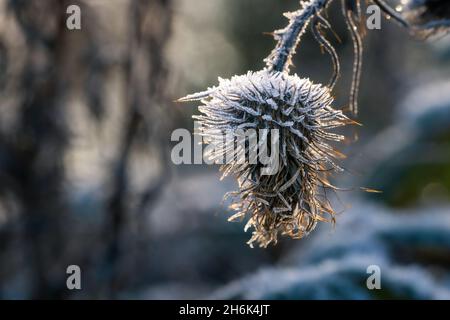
[292, 200]
[289, 37]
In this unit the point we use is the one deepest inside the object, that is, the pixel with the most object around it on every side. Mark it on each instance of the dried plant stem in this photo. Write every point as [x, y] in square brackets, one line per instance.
[289, 37]
[349, 15]
[316, 29]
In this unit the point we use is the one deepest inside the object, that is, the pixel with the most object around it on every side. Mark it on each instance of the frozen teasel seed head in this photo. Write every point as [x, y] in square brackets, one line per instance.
[291, 199]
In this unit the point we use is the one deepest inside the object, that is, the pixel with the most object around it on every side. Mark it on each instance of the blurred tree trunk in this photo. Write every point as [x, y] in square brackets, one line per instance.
[37, 146]
[146, 77]
[39, 236]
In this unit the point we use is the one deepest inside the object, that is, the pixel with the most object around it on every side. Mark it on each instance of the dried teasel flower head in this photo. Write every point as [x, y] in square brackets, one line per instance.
[291, 199]
[428, 17]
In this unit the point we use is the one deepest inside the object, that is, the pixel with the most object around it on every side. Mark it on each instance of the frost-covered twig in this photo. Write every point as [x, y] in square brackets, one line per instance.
[289, 37]
[316, 29]
[352, 14]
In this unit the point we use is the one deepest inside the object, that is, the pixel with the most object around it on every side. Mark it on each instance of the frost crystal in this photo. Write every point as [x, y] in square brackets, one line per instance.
[291, 201]
[289, 37]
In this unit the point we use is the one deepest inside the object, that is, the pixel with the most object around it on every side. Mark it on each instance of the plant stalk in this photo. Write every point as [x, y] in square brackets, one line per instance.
[289, 37]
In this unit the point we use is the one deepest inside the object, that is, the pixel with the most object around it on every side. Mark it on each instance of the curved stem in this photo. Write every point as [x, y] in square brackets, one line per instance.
[289, 37]
[316, 25]
[348, 12]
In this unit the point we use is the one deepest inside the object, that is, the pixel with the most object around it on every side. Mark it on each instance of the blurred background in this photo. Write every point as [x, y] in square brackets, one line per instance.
[86, 177]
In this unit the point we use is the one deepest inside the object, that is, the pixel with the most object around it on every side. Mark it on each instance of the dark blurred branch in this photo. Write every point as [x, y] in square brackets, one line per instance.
[37, 146]
[146, 81]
